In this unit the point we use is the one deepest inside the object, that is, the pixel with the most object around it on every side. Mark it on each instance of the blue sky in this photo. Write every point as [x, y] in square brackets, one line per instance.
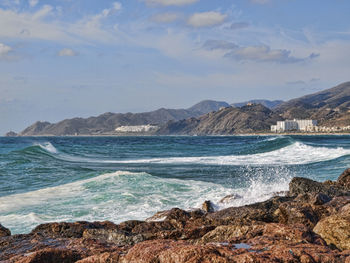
[67, 58]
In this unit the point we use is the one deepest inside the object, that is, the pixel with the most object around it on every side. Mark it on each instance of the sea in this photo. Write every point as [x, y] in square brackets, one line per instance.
[54, 179]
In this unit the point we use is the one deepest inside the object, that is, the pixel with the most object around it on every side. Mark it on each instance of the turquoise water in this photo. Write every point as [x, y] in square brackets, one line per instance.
[45, 179]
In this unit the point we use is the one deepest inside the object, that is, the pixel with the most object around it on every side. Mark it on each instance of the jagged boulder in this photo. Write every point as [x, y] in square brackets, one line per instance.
[335, 230]
[70, 230]
[50, 255]
[208, 206]
[300, 186]
[4, 231]
[344, 179]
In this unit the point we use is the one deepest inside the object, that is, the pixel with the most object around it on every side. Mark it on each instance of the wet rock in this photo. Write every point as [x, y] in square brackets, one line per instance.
[102, 258]
[300, 185]
[117, 237]
[4, 231]
[166, 251]
[50, 255]
[235, 233]
[263, 211]
[208, 206]
[313, 199]
[69, 230]
[344, 179]
[335, 230]
[296, 213]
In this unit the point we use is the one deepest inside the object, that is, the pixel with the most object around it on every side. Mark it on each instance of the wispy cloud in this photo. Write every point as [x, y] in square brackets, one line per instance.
[19, 24]
[266, 54]
[260, 53]
[67, 52]
[171, 2]
[206, 19]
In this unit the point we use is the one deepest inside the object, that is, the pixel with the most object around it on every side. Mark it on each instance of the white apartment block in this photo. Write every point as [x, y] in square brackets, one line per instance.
[294, 125]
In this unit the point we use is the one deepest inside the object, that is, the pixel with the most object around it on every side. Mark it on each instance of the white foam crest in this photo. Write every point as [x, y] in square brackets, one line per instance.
[122, 195]
[297, 153]
[13, 202]
[47, 146]
[115, 196]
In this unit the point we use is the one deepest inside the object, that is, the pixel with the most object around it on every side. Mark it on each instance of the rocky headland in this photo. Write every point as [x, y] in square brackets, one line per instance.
[311, 223]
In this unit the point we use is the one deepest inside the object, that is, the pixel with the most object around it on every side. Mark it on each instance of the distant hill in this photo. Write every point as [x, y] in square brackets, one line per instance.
[228, 120]
[271, 104]
[329, 107]
[206, 106]
[108, 122]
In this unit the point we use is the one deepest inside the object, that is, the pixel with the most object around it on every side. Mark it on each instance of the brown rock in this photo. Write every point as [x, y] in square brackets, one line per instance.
[50, 255]
[166, 251]
[300, 185]
[296, 213]
[263, 211]
[69, 230]
[236, 233]
[335, 230]
[117, 237]
[4, 232]
[344, 179]
[102, 258]
[208, 206]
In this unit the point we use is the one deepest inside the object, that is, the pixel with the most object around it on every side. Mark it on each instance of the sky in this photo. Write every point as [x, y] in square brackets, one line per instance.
[67, 58]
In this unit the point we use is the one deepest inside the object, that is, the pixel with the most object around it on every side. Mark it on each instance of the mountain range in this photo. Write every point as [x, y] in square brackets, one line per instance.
[329, 107]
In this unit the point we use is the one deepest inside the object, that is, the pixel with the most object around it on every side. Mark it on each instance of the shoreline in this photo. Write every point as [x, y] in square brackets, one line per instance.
[186, 135]
[311, 223]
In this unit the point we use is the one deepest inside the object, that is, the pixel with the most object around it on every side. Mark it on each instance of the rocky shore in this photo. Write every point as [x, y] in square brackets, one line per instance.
[310, 224]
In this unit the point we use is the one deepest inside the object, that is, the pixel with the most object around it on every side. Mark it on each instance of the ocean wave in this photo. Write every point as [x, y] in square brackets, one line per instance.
[123, 195]
[47, 146]
[295, 154]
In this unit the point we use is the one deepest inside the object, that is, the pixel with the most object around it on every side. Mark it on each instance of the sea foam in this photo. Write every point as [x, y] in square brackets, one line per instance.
[121, 196]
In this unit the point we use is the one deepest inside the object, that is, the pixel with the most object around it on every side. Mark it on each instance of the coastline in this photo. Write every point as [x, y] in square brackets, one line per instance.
[174, 135]
[309, 223]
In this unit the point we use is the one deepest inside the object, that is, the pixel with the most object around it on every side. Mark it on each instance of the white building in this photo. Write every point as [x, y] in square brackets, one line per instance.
[294, 125]
[137, 129]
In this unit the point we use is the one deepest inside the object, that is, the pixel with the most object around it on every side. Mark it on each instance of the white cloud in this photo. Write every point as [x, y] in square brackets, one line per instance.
[43, 12]
[164, 17]
[206, 19]
[18, 24]
[33, 3]
[4, 50]
[171, 2]
[67, 52]
[266, 54]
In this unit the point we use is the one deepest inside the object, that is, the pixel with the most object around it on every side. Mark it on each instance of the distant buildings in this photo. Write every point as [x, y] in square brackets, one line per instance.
[295, 125]
[137, 129]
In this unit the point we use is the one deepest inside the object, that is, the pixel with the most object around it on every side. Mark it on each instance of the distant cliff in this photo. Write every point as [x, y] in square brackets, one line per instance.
[108, 122]
[329, 107]
[230, 120]
[271, 104]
